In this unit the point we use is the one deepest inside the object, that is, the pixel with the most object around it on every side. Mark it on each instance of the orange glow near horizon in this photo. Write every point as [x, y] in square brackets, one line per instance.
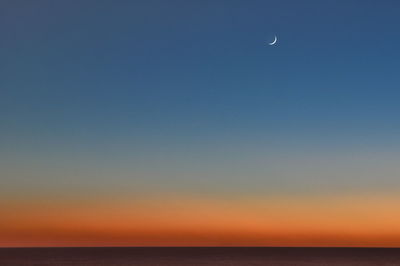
[313, 221]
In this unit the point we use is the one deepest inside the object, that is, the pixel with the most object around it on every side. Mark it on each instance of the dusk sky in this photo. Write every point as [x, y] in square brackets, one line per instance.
[174, 123]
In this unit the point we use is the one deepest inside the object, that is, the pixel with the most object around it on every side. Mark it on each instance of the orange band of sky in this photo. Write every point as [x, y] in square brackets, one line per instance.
[312, 221]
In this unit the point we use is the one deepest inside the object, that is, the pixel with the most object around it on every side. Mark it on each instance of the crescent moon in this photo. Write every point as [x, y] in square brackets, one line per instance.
[274, 41]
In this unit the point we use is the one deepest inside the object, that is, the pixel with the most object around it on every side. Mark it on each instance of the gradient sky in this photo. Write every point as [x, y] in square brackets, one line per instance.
[170, 123]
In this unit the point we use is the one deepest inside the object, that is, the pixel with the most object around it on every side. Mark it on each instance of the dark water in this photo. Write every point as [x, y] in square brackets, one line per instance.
[198, 256]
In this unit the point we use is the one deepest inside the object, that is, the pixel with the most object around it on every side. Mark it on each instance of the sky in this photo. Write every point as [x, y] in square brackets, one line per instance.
[174, 123]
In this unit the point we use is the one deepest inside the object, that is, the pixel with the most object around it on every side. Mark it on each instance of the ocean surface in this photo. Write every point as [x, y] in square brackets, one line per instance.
[198, 256]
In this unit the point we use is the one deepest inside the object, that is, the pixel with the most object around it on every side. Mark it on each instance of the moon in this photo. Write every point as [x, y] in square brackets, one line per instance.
[274, 41]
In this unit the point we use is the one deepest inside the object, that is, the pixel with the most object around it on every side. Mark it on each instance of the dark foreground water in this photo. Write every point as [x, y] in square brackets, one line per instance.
[198, 256]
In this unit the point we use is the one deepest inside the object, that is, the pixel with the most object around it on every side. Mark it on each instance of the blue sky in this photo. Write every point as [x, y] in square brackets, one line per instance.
[187, 96]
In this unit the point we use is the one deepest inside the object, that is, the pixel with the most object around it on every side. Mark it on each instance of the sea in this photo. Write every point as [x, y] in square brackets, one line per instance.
[223, 256]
